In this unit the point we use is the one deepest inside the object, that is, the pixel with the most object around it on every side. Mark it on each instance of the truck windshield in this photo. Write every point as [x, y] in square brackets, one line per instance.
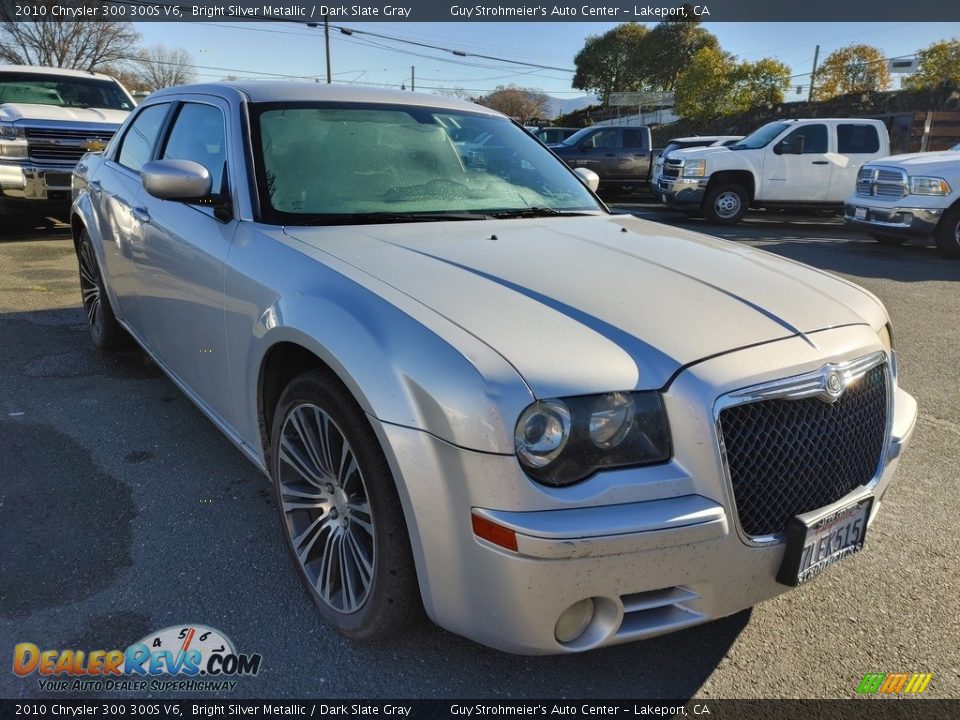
[334, 163]
[65, 91]
[762, 137]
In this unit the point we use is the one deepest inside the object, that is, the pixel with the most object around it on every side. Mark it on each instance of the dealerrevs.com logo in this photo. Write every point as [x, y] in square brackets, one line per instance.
[178, 658]
[889, 684]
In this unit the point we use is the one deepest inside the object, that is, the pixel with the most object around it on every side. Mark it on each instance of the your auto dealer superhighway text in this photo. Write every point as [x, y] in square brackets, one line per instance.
[321, 709]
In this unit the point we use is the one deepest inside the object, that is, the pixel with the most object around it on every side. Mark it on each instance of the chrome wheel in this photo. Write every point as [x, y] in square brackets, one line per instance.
[727, 204]
[90, 287]
[326, 509]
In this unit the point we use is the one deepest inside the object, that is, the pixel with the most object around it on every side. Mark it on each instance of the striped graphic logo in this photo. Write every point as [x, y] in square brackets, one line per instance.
[894, 683]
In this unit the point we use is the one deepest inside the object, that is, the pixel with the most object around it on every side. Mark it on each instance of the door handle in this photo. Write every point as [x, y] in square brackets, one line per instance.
[610, 155]
[821, 162]
[141, 214]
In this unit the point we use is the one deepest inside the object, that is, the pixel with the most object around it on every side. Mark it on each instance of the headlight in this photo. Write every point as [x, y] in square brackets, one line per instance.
[563, 441]
[921, 185]
[13, 141]
[695, 168]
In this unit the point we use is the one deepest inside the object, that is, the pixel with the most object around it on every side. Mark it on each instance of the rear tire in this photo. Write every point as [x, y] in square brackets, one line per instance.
[106, 333]
[947, 233]
[725, 204]
[888, 240]
[339, 510]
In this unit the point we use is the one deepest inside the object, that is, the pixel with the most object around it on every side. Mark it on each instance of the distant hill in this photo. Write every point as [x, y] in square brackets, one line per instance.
[563, 106]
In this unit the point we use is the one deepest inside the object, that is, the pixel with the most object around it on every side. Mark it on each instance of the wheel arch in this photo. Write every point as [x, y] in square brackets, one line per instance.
[744, 178]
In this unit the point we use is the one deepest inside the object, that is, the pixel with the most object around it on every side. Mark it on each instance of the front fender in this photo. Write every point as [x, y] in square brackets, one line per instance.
[404, 364]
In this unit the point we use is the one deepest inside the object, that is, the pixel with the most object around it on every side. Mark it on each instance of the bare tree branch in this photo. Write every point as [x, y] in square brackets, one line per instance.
[161, 67]
[82, 45]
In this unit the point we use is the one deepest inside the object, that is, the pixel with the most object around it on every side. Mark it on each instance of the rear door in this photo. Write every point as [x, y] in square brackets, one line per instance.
[633, 158]
[803, 177]
[115, 191]
[857, 144]
[184, 260]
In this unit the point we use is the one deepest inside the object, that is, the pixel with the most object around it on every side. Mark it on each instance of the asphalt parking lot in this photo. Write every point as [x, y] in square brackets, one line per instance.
[124, 511]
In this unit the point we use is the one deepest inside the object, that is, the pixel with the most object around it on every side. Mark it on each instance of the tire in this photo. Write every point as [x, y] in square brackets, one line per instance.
[947, 233]
[888, 240]
[105, 332]
[339, 510]
[725, 204]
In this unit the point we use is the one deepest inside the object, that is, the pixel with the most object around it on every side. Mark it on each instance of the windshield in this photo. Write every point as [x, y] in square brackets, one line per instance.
[956, 148]
[81, 92]
[328, 163]
[762, 137]
[579, 136]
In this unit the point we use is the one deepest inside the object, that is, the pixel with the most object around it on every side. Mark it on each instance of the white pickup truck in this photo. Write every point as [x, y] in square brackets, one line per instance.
[49, 118]
[785, 164]
[907, 196]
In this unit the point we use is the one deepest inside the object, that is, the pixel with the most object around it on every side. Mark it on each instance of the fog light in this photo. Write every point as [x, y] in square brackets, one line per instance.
[574, 621]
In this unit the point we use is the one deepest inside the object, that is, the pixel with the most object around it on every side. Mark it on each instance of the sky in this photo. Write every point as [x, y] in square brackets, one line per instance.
[259, 50]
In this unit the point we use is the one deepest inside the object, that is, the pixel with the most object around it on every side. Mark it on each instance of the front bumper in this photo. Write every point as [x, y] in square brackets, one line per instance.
[682, 192]
[890, 219]
[28, 186]
[656, 548]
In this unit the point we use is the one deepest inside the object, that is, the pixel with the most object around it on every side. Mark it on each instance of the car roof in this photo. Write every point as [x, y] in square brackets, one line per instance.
[703, 138]
[265, 91]
[41, 70]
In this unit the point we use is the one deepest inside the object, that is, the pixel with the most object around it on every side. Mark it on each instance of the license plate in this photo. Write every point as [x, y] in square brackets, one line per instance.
[58, 180]
[860, 213]
[820, 538]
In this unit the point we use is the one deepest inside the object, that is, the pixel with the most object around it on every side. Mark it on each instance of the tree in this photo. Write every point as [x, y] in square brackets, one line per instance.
[852, 69]
[701, 90]
[83, 45]
[668, 52]
[938, 64]
[716, 84]
[160, 67]
[522, 104]
[607, 63]
[455, 93]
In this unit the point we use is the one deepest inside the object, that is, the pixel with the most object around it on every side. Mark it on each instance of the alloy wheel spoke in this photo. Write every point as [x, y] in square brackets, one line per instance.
[309, 440]
[363, 563]
[305, 541]
[295, 459]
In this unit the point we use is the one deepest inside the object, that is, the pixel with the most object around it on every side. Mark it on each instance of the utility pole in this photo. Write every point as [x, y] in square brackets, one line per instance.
[326, 37]
[813, 75]
[412, 78]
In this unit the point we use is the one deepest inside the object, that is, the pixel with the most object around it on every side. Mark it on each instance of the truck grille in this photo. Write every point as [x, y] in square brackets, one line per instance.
[787, 457]
[672, 168]
[881, 182]
[62, 145]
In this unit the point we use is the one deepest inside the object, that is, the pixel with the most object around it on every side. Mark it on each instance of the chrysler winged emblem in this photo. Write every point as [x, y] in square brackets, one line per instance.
[833, 385]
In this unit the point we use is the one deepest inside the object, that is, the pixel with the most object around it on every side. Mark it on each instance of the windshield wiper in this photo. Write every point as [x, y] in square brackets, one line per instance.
[372, 218]
[531, 212]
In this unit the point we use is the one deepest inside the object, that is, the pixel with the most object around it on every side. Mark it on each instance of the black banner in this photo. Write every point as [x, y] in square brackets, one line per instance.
[865, 709]
[307, 11]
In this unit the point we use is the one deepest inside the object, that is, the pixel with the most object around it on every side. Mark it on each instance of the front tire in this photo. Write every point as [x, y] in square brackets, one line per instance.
[947, 233]
[339, 510]
[726, 204]
[888, 240]
[105, 332]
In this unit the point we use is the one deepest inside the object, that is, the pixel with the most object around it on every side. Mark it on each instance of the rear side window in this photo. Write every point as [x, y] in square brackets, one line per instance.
[141, 137]
[857, 139]
[633, 138]
[814, 138]
[198, 135]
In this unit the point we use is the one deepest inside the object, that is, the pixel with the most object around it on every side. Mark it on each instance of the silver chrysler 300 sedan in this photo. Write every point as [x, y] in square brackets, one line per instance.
[472, 385]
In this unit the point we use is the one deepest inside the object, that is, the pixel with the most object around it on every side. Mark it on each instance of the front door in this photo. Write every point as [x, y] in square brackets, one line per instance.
[182, 269]
[798, 167]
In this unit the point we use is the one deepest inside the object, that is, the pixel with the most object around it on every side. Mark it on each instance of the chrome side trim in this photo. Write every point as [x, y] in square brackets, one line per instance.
[816, 383]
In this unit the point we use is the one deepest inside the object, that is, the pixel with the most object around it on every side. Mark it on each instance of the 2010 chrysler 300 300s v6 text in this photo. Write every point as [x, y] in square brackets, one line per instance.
[470, 383]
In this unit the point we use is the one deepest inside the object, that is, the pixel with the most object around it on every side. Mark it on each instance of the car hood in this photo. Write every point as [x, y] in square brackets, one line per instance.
[593, 304]
[11, 112]
[924, 161]
[699, 152]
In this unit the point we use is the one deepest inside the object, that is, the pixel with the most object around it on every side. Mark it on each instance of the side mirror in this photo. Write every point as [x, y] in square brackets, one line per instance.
[585, 147]
[182, 180]
[588, 177]
[789, 147]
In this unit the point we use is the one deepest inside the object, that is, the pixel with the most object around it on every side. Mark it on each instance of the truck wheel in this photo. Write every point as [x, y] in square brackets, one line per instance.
[947, 233]
[888, 240]
[725, 204]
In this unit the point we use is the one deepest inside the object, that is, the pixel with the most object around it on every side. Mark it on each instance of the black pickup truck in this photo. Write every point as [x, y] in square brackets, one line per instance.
[621, 155]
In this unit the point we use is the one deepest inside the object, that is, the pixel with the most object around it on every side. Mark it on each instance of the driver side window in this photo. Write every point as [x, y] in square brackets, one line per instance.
[812, 138]
[198, 135]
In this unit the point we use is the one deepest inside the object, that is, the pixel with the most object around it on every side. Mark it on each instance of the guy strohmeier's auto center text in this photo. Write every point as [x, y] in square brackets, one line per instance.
[172, 11]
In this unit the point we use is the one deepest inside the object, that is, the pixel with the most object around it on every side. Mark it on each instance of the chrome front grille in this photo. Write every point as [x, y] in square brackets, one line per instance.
[672, 168]
[63, 145]
[796, 452]
[881, 182]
